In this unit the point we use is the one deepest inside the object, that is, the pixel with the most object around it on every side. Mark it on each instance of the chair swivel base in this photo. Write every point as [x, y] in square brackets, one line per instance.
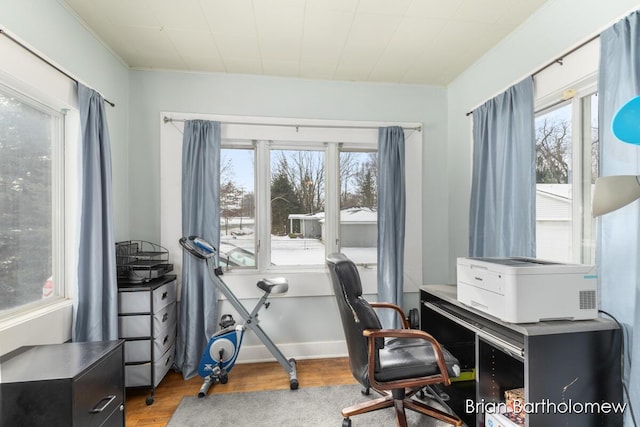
[399, 402]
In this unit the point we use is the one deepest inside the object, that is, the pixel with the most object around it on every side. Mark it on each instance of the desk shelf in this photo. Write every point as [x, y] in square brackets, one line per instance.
[553, 361]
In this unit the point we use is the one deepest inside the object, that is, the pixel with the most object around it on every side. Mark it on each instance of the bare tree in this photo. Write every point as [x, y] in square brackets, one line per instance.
[367, 182]
[595, 153]
[231, 198]
[553, 153]
[348, 169]
[305, 173]
[227, 173]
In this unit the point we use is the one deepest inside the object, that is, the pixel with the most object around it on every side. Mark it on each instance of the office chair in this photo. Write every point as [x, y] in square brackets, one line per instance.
[397, 363]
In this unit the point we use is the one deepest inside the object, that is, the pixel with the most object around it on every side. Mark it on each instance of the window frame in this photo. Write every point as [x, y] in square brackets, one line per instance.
[578, 95]
[262, 177]
[58, 221]
[26, 74]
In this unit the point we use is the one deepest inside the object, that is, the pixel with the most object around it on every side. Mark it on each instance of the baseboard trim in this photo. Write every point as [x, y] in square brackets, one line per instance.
[300, 351]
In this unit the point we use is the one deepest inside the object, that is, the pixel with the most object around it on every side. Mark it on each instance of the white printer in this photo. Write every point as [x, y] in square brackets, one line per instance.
[523, 290]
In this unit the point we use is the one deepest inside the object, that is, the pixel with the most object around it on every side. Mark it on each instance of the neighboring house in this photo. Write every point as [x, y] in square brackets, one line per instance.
[358, 227]
[309, 225]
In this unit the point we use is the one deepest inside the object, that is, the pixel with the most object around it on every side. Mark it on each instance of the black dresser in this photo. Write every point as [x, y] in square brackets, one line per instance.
[72, 384]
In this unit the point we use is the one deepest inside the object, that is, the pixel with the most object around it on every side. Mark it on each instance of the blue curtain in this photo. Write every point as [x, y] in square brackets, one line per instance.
[200, 217]
[618, 245]
[502, 210]
[95, 304]
[391, 220]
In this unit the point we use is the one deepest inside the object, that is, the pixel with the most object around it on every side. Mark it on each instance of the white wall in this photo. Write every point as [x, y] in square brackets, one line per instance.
[557, 27]
[50, 29]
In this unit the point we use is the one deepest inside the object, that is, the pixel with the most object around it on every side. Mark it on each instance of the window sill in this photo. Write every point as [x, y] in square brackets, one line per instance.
[29, 313]
[310, 282]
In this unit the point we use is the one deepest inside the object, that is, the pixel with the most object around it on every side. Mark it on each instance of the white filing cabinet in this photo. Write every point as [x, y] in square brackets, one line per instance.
[147, 316]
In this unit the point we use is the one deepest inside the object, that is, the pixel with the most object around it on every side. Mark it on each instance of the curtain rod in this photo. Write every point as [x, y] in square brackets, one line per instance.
[418, 128]
[558, 60]
[34, 53]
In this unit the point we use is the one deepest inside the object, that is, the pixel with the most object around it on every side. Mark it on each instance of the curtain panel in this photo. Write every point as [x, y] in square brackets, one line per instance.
[618, 244]
[391, 220]
[198, 309]
[502, 208]
[95, 304]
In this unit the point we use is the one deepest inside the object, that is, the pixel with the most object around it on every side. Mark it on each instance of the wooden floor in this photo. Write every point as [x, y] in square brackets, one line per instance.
[243, 377]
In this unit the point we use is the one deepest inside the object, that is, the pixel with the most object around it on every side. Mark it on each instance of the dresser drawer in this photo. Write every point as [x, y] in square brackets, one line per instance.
[139, 375]
[140, 350]
[139, 301]
[98, 393]
[139, 325]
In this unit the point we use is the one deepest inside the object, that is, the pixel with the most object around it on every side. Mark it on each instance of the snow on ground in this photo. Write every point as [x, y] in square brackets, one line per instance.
[288, 251]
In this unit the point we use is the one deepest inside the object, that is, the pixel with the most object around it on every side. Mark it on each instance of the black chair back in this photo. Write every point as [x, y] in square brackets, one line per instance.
[355, 312]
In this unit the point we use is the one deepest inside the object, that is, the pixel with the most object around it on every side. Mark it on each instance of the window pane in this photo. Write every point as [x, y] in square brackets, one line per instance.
[358, 206]
[297, 207]
[554, 217]
[237, 208]
[27, 135]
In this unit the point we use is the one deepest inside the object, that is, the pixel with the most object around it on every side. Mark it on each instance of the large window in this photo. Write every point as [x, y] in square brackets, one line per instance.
[292, 192]
[31, 219]
[566, 168]
[301, 228]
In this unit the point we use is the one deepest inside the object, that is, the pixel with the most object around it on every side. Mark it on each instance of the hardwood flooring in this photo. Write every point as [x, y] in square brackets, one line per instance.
[243, 377]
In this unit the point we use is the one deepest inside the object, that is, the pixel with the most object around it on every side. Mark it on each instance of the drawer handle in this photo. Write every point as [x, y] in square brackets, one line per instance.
[164, 341]
[164, 295]
[165, 317]
[107, 401]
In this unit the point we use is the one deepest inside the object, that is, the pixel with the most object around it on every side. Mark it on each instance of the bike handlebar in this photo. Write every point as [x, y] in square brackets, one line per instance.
[197, 247]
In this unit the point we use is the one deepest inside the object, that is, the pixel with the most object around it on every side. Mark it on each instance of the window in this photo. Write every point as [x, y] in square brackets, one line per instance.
[302, 225]
[359, 206]
[566, 169]
[31, 220]
[237, 208]
[297, 200]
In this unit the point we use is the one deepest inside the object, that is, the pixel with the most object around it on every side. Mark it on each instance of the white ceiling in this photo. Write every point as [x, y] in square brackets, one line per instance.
[403, 41]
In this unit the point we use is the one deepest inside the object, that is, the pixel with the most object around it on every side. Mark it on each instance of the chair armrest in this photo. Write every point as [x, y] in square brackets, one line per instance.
[403, 318]
[373, 334]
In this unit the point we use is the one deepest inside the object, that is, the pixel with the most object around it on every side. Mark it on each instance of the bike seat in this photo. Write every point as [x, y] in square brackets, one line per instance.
[277, 285]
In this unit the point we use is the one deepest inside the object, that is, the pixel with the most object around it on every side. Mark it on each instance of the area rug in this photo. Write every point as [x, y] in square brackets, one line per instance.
[310, 406]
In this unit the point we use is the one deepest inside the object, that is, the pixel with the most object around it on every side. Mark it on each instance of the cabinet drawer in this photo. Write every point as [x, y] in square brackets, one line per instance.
[145, 302]
[140, 350]
[139, 325]
[140, 375]
[99, 392]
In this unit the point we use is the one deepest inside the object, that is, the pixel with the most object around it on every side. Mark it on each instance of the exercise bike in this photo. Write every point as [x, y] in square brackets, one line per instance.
[223, 347]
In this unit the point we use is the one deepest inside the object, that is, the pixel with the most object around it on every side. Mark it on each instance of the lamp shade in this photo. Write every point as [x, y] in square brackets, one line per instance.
[614, 192]
[626, 122]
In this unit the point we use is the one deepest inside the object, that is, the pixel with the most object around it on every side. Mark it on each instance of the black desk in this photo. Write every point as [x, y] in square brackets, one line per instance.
[570, 362]
[73, 384]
